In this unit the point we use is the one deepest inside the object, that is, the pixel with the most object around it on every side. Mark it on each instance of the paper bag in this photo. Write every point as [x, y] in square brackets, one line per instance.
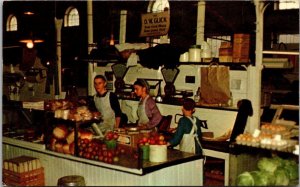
[215, 85]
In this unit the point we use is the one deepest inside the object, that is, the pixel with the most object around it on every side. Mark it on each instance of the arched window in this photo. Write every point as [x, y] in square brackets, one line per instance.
[155, 7]
[11, 24]
[160, 6]
[71, 17]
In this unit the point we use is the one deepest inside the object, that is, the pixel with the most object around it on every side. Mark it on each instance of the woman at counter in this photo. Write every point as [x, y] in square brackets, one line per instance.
[148, 113]
[188, 133]
[107, 104]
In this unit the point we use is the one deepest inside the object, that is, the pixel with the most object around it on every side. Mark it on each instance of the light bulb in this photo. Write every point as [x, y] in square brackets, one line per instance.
[29, 45]
[111, 42]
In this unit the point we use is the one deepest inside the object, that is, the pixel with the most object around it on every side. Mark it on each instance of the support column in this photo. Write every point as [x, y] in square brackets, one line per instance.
[91, 45]
[254, 72]
[58, 26]
[200, 22]
[123, 21]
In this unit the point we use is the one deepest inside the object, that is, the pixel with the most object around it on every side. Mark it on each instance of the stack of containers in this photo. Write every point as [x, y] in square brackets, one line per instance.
[23, 171]
[241, 46]
[225, 52]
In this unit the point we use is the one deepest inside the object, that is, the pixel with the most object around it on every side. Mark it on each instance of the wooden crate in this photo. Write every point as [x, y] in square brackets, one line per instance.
[31, 178]
[241, 38]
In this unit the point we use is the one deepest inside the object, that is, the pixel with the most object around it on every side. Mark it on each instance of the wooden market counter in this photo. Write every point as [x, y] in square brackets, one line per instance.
[181, 169]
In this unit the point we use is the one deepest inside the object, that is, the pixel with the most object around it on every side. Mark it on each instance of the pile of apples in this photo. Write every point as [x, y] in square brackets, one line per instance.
[153, 139]
[110, 135]
[97, 150]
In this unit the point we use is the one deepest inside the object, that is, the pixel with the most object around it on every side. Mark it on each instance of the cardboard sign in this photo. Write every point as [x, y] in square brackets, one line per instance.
[155, 24]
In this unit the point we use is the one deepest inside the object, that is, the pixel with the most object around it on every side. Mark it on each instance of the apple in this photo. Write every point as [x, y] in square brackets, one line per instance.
[109, 154]
[86, 141]
[152, 142]
[161, 137]
[141, 142]
[122, 150]
[94, 153]
[162, 142]
[103, 147]
[110, 160]
[101, 158]
[156, 137]
[115, 136]
[115, 159]
[105, 153]
[89, 149]
[145, 139]
[105, 159]
[109, 135]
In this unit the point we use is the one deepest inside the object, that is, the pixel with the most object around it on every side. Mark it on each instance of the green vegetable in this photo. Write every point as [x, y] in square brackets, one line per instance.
[267, 164]
[292, 170]
[245, 179]
[279, 161]
[262, 178]
[281, 177]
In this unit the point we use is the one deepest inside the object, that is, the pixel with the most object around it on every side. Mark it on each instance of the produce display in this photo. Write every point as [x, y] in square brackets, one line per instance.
[154, 147]
[71, 111]
[98, 150]
[274, 171]
[271, 136]
[152, 139]
[62, 139]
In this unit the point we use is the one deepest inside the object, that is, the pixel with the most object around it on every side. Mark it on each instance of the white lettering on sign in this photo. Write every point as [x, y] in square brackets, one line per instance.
[155, 24]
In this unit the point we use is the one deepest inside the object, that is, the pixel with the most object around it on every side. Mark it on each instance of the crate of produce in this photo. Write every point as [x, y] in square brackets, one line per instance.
[31, 178]
[23, 171]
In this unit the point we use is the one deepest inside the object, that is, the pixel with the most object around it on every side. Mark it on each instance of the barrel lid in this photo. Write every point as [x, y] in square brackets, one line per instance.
[71, 180]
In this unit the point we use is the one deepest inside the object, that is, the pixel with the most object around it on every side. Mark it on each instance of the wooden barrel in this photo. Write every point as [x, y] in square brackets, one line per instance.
[71, 180]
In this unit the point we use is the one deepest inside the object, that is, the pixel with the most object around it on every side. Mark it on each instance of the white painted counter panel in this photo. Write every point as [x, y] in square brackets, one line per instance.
[186, 174]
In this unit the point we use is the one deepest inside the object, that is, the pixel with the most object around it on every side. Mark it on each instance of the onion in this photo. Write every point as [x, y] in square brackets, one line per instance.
[60, 132]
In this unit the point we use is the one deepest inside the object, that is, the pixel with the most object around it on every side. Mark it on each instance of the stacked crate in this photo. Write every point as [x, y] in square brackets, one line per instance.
[225, 52]
[241, 47]
[23, 171]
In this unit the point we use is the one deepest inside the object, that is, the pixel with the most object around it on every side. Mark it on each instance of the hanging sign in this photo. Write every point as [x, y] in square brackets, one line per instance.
[155, 24]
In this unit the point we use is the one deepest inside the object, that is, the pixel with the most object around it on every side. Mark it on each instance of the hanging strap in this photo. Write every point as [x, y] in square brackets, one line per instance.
[194, 131]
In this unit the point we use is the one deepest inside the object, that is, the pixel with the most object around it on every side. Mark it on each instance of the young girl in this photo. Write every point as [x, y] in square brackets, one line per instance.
[148, 113]
[188, 133]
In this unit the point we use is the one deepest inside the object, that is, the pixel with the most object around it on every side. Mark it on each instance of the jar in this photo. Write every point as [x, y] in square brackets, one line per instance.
[195, 53]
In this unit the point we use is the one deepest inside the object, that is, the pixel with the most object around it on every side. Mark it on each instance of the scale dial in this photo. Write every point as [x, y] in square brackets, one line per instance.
[169, 89]
[119, 84]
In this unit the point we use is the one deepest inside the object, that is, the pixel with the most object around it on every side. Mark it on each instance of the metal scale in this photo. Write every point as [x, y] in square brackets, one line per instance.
[121, 89]
[170, 76]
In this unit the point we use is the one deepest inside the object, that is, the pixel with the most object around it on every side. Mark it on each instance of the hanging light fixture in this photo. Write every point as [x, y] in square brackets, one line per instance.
[31, 19]
[30, 41]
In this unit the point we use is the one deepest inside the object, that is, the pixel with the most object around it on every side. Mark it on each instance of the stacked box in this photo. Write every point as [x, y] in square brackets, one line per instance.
[241, 47]
[225, 52]
[23, 171]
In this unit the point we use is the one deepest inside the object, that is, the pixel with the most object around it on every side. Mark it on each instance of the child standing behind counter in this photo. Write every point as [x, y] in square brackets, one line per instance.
[188, 133]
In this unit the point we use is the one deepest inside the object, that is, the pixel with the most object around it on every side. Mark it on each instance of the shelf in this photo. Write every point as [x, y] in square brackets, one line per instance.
[220, 63]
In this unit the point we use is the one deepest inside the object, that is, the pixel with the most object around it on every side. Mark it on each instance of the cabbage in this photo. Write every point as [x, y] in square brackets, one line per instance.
[281, 177]
[245, 179]
[292, 170]
[262, 178]
[267, 164]
[279, 161]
